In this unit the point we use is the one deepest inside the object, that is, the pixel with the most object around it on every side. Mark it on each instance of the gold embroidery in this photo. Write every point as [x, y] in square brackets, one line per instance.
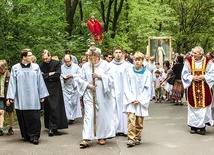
[198, 86]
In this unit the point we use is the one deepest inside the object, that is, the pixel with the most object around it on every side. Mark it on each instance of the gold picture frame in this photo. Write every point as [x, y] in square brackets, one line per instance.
[160, 48]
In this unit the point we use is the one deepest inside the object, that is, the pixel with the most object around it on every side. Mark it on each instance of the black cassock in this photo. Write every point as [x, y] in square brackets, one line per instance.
[54, 108]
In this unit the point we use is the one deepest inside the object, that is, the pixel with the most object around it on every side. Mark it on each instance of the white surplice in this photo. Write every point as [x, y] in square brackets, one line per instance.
[70, 93]
[26, 87]
[138, 86]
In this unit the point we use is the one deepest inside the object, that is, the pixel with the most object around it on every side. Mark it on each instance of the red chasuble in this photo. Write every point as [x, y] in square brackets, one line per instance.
[96, 29]
[199, 94]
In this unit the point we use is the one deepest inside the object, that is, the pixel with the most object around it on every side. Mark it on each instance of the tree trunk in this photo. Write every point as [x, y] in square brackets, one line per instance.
[81, 12]
[106, 19]
[81, 15]
[127, 15]
[70, 11]
[116, 16]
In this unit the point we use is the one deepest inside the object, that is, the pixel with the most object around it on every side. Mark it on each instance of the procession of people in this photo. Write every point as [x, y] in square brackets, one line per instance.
[113, 96]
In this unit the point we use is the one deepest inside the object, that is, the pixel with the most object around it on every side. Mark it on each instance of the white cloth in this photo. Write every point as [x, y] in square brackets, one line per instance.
[118, 70]
[153, 75]
[26, 87]
[197, 117]
[212, 108]
[159, 55]
[70, 93]
[105, 124]
[145, 63]
[167, 87]
[157, 82]
[161, 70]
[138, 87]
[151, 66]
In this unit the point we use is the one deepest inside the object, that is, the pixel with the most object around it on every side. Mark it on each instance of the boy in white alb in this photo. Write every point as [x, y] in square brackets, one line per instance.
[138, 91]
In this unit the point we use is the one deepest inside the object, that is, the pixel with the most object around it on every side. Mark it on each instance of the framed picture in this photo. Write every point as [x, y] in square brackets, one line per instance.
[160, 48]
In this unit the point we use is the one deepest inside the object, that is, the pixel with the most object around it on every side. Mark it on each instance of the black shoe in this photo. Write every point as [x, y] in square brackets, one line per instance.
[50, 133]
[10, 131]
[35, 141]
[202, 132]
[121, 134]
[55, 131]
[193, 131]
[208, 124]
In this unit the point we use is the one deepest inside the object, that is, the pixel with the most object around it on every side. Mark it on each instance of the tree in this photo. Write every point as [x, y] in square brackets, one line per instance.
[39, 24]
[70, 12]
[31, 24]
[195, 27]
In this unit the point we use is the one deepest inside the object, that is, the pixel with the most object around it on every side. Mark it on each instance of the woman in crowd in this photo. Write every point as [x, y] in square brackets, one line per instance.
[178, 89]
[164, 83]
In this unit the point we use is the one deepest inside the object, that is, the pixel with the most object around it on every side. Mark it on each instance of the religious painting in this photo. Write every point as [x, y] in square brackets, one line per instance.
[160, 49]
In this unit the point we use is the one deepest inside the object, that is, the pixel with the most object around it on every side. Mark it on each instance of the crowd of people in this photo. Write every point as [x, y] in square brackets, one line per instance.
[113, 91]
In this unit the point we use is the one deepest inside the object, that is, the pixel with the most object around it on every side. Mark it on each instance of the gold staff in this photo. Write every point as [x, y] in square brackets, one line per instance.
[92, 49]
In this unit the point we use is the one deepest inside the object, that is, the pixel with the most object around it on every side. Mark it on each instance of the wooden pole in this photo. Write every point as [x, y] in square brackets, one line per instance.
[93, 48]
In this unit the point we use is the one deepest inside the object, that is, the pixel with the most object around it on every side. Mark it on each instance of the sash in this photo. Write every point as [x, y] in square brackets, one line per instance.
[199, 94]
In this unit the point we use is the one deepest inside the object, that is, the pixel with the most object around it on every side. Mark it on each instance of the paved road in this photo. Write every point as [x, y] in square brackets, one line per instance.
[165, 133]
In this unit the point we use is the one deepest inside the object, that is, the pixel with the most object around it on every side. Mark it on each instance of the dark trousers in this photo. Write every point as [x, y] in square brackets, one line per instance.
[50, 116]
[29, 123]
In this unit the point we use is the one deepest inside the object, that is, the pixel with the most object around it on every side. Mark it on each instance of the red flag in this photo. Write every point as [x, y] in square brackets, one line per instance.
[96, 29]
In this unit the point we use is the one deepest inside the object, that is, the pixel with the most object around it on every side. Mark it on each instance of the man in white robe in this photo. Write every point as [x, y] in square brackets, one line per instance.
[27, 89]
[138, 93]
[146, 60]
[118, 69]
[198, 79]
[70, 71]
[105, 125]
[151, 67]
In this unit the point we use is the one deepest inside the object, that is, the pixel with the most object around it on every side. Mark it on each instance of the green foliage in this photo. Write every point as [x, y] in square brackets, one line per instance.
[41, 24]
[28, 24]
[195, 27]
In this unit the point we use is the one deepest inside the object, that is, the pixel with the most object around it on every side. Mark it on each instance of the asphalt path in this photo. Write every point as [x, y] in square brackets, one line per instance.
[165, 133]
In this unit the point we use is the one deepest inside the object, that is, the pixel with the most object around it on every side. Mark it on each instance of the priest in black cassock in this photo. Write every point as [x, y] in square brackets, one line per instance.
[54, 109]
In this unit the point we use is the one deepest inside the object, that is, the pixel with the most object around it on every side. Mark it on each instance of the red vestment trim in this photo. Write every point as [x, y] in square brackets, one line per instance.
[199, 94]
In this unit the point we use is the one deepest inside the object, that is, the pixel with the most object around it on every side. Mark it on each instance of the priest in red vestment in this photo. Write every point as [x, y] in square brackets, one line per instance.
[198, 79]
